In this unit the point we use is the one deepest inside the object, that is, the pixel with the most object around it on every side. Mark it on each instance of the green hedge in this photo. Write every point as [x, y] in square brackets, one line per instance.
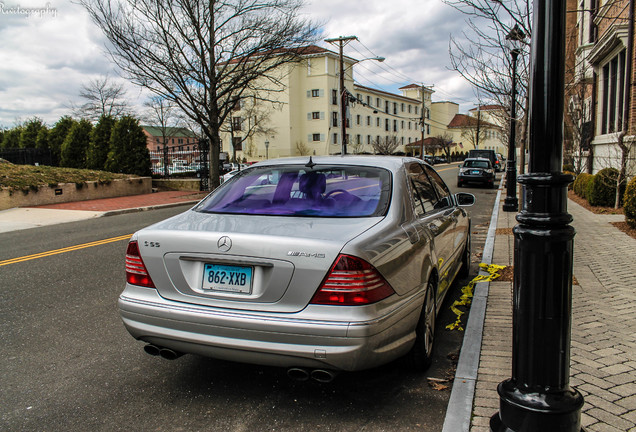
[571, 185]
[629, 203]
[601, 191]
[580, 184]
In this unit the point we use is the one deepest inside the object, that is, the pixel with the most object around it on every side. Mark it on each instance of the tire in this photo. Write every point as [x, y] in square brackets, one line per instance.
[421, 355]
[459, 184]
[465, 269]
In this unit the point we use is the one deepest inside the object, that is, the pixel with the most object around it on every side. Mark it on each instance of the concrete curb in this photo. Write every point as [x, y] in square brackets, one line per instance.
[153, 207]
[460, 405]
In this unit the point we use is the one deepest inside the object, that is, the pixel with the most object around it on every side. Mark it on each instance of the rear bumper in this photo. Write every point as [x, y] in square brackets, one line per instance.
[284, 340]
[465, 178]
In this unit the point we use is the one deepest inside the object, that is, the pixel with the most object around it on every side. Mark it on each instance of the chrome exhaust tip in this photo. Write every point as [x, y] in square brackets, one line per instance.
[169, 354]
[152, 350]
[323, 376]
[298, 374]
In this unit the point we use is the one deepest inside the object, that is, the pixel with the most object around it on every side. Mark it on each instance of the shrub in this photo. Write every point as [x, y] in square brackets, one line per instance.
[571, 185]
[602, 188]
[580, 184]
[629, 203]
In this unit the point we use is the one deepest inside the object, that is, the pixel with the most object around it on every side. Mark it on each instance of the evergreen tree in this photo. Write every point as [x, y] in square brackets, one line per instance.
[30, 132]
[128, 151]
[57, 136]
[100, 142]
[42, 141]
[74, 147]
[11, 138]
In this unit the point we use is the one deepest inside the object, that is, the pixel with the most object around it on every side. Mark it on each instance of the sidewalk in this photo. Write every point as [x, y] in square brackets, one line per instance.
[603, 355]
[31, 217]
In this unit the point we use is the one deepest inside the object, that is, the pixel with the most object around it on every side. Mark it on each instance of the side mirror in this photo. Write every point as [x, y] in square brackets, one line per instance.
[464, 199]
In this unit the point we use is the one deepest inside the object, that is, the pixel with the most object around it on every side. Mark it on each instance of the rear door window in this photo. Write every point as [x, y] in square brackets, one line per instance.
[322, 191]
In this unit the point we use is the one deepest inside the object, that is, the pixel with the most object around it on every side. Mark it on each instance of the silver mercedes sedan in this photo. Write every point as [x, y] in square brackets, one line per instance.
[318, 265]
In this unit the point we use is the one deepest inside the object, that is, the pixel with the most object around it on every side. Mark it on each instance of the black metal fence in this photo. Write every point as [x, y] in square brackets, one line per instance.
[27, 156]
[182, 161]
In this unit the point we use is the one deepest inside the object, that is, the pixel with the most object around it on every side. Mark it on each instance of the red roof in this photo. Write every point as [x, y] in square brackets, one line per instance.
[488, 108]
[463, 120]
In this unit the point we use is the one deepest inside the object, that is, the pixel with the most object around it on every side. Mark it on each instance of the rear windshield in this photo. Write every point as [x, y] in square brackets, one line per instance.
[324, 191]
[476, 164]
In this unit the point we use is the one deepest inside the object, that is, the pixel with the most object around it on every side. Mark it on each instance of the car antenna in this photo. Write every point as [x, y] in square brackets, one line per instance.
[310, 164]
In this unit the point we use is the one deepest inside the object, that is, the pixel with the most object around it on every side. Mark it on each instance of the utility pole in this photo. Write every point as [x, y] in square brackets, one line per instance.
[342, 41]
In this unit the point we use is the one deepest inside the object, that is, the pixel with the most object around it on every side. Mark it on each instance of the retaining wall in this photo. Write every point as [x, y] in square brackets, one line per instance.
[69, 192]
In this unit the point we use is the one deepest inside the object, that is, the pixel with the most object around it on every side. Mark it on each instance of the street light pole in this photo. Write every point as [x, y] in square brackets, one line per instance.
[538, 396]
[511, 204]
[342, 41]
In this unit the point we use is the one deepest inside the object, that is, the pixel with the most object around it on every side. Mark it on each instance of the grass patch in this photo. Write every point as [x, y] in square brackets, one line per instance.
[29, 177]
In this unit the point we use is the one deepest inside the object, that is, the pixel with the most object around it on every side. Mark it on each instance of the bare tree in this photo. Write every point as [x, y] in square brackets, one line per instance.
[249, 120]
[165, 116]
[302, 148]
[103, 97]
[442, 142]
[385, 146]
[202, 55]
[483, 57]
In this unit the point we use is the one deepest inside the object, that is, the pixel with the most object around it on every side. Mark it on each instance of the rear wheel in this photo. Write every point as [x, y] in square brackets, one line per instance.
[421, 354]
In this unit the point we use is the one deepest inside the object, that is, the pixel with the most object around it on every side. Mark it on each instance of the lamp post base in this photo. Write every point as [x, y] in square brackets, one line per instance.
[511, 204]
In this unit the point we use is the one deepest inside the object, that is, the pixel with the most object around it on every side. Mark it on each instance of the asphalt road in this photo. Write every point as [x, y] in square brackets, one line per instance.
[68, 364]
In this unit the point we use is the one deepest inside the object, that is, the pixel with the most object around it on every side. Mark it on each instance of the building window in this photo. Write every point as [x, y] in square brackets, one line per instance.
[377, 122]
[334, 97]
[402, 106]
[377, 102]
[386, 124]
[409, 109]
[358, 119]
[613, 94]
[334, 119]
[158, 148]
[315, 93]
[368, 100]
[180, 140]
[395, 126]
[409, 125]
[237, 144]
[335, 138]
[402, 124]
[368, 120]
[394, 107]
[315, 137]
[417, 109]
[236, 124]
[359, 97]
[369, 139]
[386, 107]
[315, 115]
[358, 139]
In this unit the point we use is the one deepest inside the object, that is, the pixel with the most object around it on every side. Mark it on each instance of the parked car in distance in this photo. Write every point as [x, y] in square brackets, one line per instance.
[488, 154]
[315, 265]
[429, 159]
[440, 159]
[476, 170]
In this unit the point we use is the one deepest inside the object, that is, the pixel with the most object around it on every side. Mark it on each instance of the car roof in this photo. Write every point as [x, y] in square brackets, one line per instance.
[388, 162]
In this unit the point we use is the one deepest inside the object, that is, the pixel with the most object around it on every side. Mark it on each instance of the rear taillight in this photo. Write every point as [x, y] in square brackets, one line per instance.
[136, 273]
[352, 281]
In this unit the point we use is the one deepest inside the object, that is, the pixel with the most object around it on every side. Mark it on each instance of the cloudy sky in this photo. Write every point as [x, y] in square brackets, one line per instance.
[48, 49]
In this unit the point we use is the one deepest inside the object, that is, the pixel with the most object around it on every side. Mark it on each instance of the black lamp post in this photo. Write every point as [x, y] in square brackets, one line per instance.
[538, 396]
[511, 204]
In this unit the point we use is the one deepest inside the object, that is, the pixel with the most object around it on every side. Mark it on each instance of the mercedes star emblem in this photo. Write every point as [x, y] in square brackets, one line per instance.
[224, 244]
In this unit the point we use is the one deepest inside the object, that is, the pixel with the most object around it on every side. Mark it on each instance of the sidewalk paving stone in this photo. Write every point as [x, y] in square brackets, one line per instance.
[603, 350]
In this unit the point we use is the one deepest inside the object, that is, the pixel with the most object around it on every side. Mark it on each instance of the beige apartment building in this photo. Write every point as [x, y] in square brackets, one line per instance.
[305, 120]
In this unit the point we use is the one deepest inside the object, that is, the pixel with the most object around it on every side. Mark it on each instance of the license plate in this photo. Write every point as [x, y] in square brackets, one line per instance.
[227, 278]
[475, 172]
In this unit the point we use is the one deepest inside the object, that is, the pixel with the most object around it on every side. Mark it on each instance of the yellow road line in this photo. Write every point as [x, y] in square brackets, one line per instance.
[64, 250]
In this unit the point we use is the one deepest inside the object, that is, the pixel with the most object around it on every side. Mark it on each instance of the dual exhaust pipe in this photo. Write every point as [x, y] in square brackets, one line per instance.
[320, 375]
[298, 374]
[166, 353]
